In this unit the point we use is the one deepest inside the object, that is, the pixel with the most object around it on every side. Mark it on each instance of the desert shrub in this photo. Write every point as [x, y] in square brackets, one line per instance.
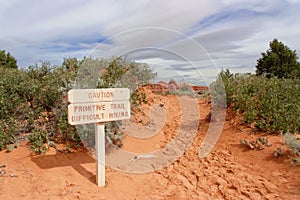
[227, 79]
[184, 89]
[218, 91]
[36, 96]
[270, 104]
[38, 140]
[113, 134]
[181, 93]
[138, 98]
[113, 73]
[293, 143]
[66, 131]
[7, 129]
[26, 94]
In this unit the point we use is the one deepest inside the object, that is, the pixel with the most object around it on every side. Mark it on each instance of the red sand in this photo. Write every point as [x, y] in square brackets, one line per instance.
[229, 172]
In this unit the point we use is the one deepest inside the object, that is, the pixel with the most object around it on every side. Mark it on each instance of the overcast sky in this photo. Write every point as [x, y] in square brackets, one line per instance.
[184, 38]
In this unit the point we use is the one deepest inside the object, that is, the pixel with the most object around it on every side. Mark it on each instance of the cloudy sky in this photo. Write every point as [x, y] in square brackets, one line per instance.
[187, 39]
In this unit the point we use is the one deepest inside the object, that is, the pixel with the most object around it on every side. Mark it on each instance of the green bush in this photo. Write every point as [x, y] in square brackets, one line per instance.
[138, 98]
[27, 94]
[113, 73]
[270, 104]
[7, 129]
[66, 131]
[39, 140]
[37, 97]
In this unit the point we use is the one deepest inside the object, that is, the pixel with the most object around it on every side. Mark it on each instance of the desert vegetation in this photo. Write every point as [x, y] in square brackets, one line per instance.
[255, 158]
[33, 100]
[268, 100]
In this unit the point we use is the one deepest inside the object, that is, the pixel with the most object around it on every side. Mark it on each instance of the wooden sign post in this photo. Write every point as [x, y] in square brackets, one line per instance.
[98, 106]
[100, 153]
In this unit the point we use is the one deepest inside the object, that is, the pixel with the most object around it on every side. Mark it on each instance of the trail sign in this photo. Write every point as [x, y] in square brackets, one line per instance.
[98, 95]
[98, 106]
[85, 113]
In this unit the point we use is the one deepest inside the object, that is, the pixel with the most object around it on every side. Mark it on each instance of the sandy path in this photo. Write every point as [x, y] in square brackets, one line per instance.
[229, 172]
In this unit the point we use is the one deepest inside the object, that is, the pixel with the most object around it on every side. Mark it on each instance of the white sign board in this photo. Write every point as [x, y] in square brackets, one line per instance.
[98, 106]
[86, 113]
[96, 95]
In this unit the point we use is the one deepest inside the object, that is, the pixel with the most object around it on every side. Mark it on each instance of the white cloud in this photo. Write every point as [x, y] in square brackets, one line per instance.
[232, 32]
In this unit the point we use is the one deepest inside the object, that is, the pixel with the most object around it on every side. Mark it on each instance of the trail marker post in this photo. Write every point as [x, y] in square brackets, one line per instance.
[98, 106]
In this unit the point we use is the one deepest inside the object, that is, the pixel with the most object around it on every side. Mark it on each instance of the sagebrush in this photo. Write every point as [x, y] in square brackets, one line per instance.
[33, 101]
[269, 104]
